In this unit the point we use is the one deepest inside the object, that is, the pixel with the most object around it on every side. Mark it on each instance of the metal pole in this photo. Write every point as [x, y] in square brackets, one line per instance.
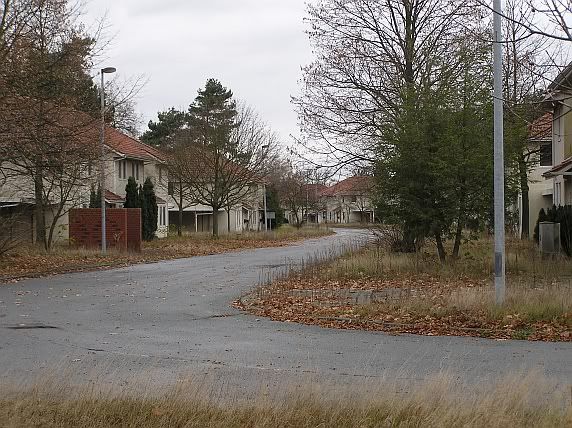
[102, 168]
[500, 256]
[265, 213]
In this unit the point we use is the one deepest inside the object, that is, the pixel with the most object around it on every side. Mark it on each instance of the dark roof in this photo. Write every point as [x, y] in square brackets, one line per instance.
[350, 186]
[564, 77]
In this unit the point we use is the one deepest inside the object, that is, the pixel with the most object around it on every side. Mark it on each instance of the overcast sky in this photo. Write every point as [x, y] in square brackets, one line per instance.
[254, 47]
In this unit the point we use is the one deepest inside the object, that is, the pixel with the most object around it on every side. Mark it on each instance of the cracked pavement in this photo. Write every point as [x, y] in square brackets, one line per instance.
[155, 324]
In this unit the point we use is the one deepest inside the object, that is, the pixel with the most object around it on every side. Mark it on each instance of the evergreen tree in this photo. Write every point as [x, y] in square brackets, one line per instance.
[273, 205]
[132, 199]
[149, 210]
[212, 119]
[212, 116]
[167, 125]
[95, 198]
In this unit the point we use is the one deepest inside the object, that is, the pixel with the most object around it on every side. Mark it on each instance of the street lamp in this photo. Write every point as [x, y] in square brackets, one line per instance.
[500, 255]
[106, 70]
[264, 150]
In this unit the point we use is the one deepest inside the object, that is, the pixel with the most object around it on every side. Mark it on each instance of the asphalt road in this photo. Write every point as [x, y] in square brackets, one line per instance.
[158, 323]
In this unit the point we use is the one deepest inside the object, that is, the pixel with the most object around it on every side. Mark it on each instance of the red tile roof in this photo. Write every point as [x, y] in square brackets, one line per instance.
[130, 147]
[541, 128]
[350, 186]
[112, 197]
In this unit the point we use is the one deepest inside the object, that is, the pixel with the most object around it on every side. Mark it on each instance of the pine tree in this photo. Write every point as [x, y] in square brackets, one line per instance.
[95, 198]
[211, 120]
[131, 194]
[149, 210]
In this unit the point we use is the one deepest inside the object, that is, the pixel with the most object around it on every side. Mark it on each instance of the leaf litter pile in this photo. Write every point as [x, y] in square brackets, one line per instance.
[419, 304]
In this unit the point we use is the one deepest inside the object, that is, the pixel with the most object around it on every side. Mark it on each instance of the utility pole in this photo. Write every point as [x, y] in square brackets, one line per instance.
[500, 256]
[106, 70]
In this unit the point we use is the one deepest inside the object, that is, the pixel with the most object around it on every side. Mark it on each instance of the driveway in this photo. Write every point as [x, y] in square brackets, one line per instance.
[158, 323]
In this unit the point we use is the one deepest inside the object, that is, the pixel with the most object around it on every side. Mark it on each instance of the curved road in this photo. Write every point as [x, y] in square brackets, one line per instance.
[158, 323]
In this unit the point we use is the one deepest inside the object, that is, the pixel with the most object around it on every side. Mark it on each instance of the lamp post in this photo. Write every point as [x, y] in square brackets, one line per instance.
[264, 150]
[106, 70]
[500, 255]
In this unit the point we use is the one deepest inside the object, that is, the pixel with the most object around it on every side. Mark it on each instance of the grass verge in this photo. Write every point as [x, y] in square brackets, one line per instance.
[529, 402]
[405, 293]
[31, 261]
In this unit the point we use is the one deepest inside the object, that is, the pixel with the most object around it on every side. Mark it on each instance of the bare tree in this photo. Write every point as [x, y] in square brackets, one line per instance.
[291, 192]
[528, 68]
[46, 83]
[51, 156]
[177, 164]
[545, 18]
[369, 55]
[220, 175]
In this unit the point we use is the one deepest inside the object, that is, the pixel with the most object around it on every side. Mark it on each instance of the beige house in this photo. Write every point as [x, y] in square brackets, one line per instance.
[348, 201]
[540, 190]
[560, 174]
[248, 215]
[128, 157]
[125, 157]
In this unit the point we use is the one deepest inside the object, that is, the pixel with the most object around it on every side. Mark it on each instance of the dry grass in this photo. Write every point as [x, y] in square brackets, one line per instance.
[475, 262]
[440, 402]
[415, 293]
[31, 261]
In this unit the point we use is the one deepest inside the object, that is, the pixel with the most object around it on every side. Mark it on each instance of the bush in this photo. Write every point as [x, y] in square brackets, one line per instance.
[562, 215]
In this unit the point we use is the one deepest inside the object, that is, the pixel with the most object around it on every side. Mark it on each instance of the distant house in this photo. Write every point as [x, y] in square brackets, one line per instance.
[560, 174]
[348, 201]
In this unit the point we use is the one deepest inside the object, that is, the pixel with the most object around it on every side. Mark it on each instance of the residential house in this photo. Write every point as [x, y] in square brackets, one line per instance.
[128, 157]
[560, 174]
[247, 215]
[348, 201]
[125, 156]
[540, 190]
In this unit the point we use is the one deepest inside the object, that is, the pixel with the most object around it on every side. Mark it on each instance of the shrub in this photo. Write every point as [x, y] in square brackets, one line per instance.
[562, 215]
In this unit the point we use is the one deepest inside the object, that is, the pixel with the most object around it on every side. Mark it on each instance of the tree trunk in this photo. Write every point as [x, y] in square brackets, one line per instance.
[458, 236]
[39, 209]
[523, 173]
[460, 222]
[440, 247]
[180, 223]
[215, 222]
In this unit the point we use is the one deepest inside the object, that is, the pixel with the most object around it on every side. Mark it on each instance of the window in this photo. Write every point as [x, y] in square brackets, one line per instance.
[162, 216]
[546, 154]
[135, 170]
[354, 198]
[160, 174]
[122, 169]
